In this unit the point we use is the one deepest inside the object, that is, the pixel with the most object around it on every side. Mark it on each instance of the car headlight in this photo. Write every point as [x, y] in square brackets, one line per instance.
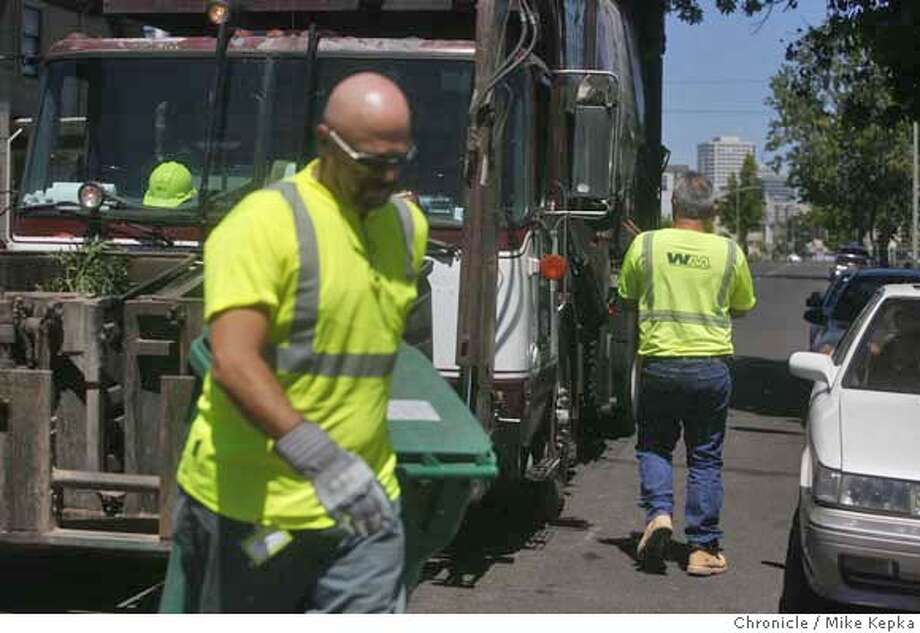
[825, 483]
[877, 494]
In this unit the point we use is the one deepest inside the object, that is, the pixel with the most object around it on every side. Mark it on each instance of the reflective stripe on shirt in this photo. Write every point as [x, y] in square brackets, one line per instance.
[691, 318]
[298, 356]
[408, 229]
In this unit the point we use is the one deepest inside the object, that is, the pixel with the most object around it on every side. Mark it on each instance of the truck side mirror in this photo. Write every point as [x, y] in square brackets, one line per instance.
[813, 300]
[592, 152]
[590, 103]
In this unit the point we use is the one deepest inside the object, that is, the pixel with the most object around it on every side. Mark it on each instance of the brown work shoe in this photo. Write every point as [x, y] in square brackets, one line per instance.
[707, 560]
[654, 542]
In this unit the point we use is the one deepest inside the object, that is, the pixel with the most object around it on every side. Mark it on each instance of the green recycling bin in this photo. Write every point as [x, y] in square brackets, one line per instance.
[444, 459]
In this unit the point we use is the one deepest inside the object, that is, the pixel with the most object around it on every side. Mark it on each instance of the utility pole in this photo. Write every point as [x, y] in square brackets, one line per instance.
[479, 263]
[10, 48]
[916, 197]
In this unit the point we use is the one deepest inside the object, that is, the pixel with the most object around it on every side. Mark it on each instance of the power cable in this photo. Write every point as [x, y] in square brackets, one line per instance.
[705, 111]
[716, 81]
[518, 55]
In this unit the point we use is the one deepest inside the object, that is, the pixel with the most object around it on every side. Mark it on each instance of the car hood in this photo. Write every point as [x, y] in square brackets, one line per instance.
[880, 433]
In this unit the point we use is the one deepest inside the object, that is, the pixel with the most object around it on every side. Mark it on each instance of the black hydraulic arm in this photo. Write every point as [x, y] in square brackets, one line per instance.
[216, 106]
[309, 97]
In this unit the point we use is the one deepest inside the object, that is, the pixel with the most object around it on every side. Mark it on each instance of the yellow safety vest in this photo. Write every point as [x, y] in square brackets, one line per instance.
[686, 283]
[338, 290]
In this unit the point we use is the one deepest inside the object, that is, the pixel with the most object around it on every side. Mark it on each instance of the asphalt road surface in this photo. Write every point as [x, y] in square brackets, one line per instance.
[584, 562]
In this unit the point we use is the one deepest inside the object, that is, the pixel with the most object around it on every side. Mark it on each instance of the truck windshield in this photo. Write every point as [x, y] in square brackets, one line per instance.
[115, 120]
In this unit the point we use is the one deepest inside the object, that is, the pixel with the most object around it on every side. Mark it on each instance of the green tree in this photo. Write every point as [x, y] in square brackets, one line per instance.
[843, 138]
[741, 208]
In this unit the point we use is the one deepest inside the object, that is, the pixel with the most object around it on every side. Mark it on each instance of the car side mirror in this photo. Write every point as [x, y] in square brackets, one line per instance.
[813, 300]
[813, 366]
[814, 315]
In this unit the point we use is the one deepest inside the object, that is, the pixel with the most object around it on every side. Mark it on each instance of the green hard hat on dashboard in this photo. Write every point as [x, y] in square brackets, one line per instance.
[169, 186]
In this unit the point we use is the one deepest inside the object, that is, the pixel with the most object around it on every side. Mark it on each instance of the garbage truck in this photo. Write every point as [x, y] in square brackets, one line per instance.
[538, 130]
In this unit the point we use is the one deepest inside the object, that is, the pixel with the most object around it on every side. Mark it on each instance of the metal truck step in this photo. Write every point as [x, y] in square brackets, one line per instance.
[543, 470]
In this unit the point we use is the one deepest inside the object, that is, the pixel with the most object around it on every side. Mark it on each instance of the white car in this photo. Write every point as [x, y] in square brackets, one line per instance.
[855, 536]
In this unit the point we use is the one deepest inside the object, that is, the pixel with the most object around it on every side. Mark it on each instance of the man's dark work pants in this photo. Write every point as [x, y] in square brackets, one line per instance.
[320, 571]
[695, 392]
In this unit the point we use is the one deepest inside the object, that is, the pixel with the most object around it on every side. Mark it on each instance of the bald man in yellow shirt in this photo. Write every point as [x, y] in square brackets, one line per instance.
[288, 494]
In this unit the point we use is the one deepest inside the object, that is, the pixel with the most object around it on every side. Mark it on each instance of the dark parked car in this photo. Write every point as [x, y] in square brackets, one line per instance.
[848, 261]
[833, 313]
[854, 248]
[823, 304]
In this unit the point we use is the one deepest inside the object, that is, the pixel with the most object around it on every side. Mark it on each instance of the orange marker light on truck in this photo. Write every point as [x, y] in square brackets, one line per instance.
[553, 267]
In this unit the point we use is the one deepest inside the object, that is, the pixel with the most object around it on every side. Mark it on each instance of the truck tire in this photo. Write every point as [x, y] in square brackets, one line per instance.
[550, 499]
[548, 495]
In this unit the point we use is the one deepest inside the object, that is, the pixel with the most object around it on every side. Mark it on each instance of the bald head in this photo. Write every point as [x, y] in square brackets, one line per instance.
[367, 116]
[370, 112]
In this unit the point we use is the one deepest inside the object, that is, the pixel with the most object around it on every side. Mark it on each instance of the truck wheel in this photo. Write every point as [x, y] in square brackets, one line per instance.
[593, 424]
[547, 492]
[550, 499]
[635, 381]
[627, 413]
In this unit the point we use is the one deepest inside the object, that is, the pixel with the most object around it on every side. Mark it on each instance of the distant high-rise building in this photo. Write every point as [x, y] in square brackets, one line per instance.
[722, 156]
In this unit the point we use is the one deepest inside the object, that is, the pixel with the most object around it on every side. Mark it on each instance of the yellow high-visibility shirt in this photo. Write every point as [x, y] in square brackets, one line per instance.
[337, 290]
[685, 283]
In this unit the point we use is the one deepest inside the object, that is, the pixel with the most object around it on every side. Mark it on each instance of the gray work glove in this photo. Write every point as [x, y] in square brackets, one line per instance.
[344, 483]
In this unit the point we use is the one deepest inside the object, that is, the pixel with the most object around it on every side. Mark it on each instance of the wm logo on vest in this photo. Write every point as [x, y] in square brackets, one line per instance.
[687, 260]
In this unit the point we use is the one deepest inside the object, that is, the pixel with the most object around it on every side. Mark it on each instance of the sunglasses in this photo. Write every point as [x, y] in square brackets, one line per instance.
[376, 162]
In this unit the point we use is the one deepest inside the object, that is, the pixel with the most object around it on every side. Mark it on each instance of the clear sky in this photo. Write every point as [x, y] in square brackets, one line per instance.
[716, 75]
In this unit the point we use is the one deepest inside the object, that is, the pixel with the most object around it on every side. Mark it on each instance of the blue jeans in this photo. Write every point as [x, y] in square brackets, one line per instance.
[320, 571]
[696, 393]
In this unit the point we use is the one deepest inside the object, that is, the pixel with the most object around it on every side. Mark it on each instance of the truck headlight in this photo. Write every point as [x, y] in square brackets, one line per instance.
[91, 196]
[876, 493]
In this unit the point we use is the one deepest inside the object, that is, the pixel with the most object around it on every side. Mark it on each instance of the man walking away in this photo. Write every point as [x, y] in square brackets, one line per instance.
[688, 284]
[288, 494]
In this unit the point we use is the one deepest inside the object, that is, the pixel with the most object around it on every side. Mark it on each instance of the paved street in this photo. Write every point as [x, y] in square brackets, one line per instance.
[584, 561]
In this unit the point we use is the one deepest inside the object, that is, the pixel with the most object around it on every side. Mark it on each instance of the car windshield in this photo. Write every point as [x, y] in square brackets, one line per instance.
[888, 355]
[850, 259]
[856, 294]
[99, 123]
